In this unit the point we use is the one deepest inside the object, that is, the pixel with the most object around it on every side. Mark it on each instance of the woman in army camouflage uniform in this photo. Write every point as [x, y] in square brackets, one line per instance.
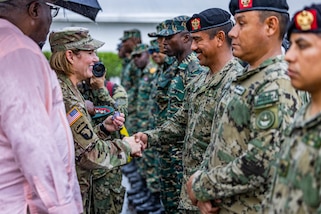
[73, 59]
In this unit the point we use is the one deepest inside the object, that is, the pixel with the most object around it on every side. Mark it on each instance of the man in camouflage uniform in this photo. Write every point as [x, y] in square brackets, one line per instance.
[108, 192]
[192, 122]
[235, 174]
[131, 76]
[296, 188]
[149, 163]
[93, 144]
[129, 40]
[171, 85]
[147, 70]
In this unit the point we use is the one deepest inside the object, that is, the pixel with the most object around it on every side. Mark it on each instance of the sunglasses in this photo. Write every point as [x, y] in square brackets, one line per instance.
[137, 55]
[153, 50]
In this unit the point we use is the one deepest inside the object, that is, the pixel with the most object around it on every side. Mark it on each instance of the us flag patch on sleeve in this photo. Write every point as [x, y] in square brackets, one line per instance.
[73, 115]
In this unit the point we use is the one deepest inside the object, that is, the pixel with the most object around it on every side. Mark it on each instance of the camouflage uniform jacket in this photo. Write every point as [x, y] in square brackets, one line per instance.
[91, 151]
[298, 179]
[245, 137]
[160, 93]
[131, 79]
[144, 90]
[124, 64]
[194, 120]
[172, 83]
[152, 105]
[107, 182]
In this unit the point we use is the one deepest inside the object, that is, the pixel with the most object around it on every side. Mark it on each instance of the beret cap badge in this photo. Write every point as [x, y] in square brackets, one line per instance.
[245, 4]
[305, 20]
[196, 24]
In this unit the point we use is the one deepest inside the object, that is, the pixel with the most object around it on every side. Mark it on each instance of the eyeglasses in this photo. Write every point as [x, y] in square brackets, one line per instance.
[53, 8]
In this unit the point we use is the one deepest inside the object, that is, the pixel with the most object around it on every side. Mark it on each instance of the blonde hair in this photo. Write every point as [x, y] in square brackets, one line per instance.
[60, 64]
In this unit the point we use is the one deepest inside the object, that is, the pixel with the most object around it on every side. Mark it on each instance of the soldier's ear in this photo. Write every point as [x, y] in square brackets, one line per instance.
[187, 37]
[70, 56]
[220, 36]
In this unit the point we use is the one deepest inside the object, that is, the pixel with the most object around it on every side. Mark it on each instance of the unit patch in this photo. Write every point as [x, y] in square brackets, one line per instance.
[265, 119]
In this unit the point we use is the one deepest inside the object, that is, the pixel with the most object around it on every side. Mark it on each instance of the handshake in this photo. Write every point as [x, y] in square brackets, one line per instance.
[138, 143]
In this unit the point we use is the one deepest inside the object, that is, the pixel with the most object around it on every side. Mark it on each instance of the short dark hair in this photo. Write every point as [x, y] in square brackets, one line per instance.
[225, 28]
[282, 17]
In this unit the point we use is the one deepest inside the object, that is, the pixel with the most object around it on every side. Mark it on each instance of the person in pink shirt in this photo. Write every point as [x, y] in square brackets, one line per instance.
[37, 162]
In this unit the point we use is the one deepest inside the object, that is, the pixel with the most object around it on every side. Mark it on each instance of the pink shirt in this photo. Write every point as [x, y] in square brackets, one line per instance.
[37, 164]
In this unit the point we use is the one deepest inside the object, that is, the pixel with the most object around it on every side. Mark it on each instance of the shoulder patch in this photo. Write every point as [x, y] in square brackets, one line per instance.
[266, 98]
[73, 115]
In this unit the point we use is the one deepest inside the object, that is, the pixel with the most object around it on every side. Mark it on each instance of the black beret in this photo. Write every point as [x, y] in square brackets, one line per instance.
[210, 18]
[307, 20]
[238, 6]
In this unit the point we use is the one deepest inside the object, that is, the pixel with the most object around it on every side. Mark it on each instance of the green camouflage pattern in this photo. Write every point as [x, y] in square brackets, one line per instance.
[170, 94]
[194, 120]
[154, 45]
[131, 78]
[124, 64]
[108, 192]
[139, 48]
[144, 90]
[246, 133]
[132, 33]
[298, 179]
[150, 163]
[174, 26]
[93, 149]
[159, 27]
[71, 38]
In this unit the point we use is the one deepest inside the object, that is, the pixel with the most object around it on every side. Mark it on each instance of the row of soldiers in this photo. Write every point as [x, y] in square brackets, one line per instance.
[215, 109]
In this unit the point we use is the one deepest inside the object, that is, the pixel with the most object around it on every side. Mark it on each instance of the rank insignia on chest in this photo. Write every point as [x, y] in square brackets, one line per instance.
[239, 90]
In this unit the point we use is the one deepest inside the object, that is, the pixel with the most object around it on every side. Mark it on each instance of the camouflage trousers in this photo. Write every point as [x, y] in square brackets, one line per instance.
[171, 177]
[148, 167]
[107, 193]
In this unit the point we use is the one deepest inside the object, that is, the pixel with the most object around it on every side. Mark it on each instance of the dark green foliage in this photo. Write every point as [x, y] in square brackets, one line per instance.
[110, 60]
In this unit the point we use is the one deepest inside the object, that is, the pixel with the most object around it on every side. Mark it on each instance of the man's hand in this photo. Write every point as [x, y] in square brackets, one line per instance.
[136, 148]
[114, 123]
[206, 207]
[189, 188]
[140, 137]
[97, 82]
